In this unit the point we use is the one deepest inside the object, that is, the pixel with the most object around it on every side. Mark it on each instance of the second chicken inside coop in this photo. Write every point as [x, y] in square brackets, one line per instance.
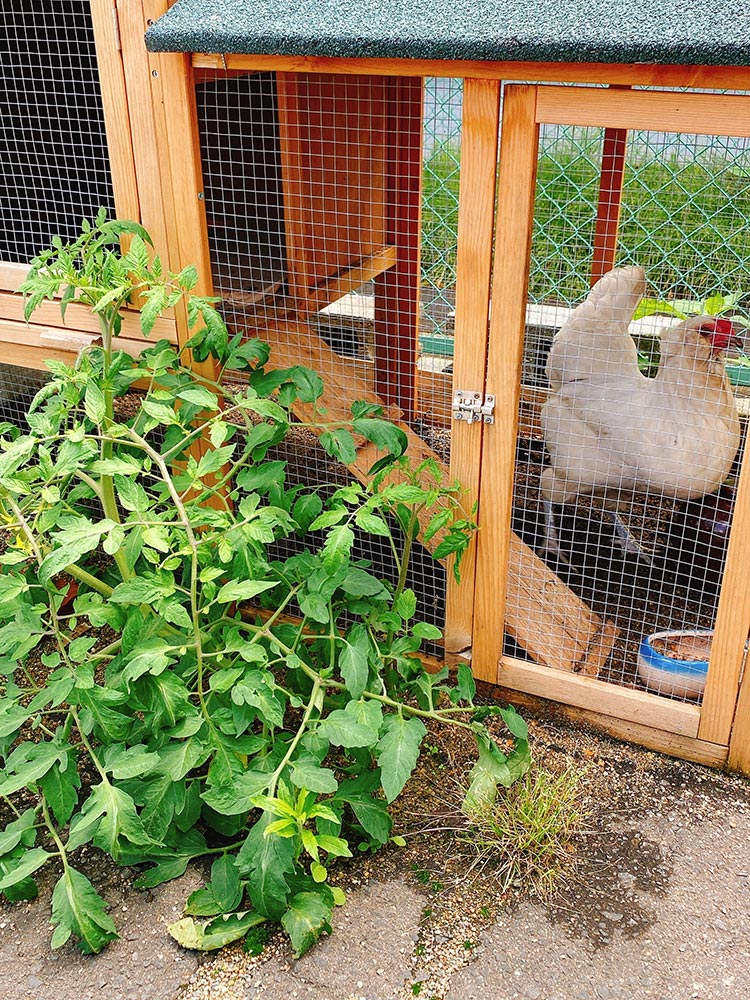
[625, 487]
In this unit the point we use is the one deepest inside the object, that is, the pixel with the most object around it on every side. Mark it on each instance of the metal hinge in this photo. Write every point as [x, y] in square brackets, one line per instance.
[472, 407]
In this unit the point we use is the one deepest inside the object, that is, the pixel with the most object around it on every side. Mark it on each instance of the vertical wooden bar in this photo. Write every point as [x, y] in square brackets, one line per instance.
[476, 223]
[146, 118]
[730, 634]
[610, 202]
[397, 290]
[116, 112]
[515, 214]
[739, 741]
[173, 91]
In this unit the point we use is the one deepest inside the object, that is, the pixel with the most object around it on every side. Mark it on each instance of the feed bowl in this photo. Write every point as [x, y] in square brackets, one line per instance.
[675, 662]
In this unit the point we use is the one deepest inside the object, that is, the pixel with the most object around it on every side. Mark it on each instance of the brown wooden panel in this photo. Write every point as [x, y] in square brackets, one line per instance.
[333, 157]
[116, 111]
[32, 343]
[81, 318]
[685, 747]
[515, 205]
[739, 744]
[732, 625]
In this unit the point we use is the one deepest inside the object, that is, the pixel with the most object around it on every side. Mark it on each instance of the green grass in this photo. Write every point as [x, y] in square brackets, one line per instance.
[685, 222]
[527, 837]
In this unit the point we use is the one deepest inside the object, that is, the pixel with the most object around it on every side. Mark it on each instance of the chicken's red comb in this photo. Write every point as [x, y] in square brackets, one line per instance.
[722, 333]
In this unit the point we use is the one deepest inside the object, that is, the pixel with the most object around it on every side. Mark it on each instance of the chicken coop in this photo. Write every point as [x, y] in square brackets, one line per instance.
[291, 152]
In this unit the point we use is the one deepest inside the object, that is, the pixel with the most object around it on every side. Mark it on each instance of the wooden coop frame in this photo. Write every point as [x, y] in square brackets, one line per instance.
[151, 121]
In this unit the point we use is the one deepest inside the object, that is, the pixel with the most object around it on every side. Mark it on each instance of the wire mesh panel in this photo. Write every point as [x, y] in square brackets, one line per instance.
[18, 386]
[313, 189]
[633, 417]
[53, 149]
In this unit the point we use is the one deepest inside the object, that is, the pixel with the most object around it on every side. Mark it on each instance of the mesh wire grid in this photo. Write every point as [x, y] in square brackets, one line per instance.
[310, 186]
[663, 450]
[300, 192]
[54, 163]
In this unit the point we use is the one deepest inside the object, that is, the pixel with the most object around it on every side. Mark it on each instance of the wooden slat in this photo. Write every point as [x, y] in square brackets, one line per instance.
[701, 77]
[610, 202]
[80, 318]
[732, 623]
[19, 340]
[542, 614]
[12, 275]
[599, 696]
[116, 111]
[132, 18]
[684, 747]
[695, 114]
[515, 208]
[378, 262]
[739, 741]
[476, 211]
[397, 291]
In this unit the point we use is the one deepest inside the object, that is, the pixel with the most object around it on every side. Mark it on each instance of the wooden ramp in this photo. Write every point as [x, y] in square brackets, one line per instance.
[543, 615]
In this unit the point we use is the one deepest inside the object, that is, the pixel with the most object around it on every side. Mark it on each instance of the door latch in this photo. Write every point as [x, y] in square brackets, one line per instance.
[473, 407]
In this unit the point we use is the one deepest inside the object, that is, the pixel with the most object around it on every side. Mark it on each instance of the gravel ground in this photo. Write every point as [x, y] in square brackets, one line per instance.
[655, 905]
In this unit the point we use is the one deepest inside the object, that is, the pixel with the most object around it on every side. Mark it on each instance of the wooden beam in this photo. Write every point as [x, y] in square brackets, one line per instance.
[180, 167]
[739, 741]
[684, 747]
[515, 214]
[397, 290]
[79, 318]
[116, 110]
[35, 340]
[732, 626]
[695, 114]
[600, 696]
[610, 202]
[335, 288]
[476, 225]
[634, 74]
[142, 116]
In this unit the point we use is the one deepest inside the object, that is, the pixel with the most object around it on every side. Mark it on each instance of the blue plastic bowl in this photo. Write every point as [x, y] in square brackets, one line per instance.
[664, 675]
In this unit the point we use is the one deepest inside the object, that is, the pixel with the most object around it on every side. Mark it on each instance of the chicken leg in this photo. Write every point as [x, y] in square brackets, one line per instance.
[626, 541]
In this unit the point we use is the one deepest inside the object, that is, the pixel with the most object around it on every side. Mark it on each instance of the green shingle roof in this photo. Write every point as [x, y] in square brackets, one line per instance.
[696, 32]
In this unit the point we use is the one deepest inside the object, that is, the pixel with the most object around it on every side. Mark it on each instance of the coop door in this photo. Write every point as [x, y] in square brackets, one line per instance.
[330, 205]
[616, 495]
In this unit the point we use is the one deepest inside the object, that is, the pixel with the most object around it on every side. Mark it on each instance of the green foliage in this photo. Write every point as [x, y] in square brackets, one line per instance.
[687, 219]
[150, 714]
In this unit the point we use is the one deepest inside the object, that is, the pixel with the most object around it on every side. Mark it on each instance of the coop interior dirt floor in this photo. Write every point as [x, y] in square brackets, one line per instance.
[655, 903]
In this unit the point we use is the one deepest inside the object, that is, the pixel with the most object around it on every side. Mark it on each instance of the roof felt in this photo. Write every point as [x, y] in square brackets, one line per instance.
[696, 32]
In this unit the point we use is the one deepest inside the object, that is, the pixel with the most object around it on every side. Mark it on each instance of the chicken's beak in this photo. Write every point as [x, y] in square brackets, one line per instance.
[736, 346]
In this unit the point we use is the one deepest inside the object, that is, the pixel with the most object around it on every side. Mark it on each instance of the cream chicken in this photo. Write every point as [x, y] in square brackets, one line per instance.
[611, 431]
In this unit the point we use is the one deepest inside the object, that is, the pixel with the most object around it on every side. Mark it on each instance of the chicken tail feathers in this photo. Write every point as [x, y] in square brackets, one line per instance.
[595, 340]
